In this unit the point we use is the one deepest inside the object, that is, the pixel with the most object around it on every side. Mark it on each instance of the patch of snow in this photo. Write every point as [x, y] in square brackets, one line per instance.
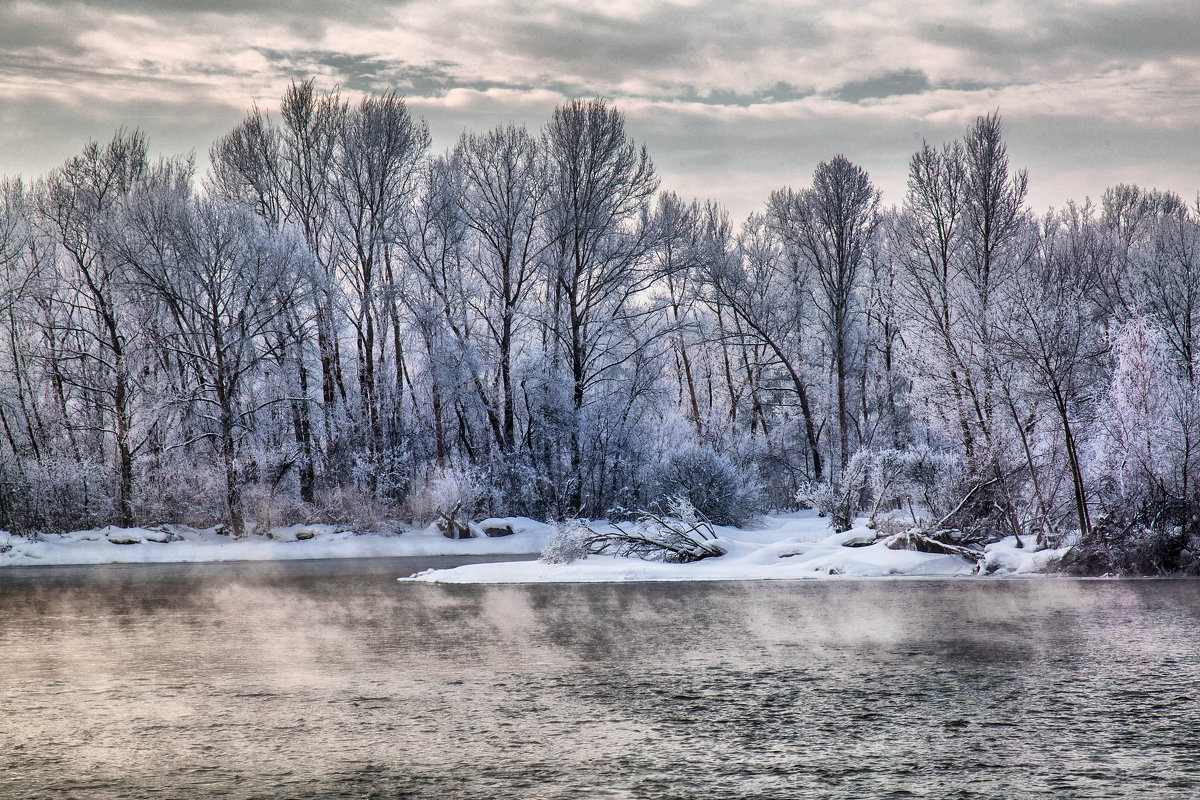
[177, 543]
[1006, 558]
[783, 547]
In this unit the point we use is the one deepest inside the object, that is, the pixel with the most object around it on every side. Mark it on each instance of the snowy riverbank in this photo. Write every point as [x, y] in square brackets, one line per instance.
[172, 543]
[781, 547]
[776, 547]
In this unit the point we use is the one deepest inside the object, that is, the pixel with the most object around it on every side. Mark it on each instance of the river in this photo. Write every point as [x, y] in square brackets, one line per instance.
[331, 679]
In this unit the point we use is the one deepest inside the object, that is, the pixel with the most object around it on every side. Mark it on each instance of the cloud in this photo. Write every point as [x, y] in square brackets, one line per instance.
[733, 99]
[908, 81]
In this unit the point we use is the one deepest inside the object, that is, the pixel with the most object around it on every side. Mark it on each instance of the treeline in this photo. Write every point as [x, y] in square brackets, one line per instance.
[336, 323]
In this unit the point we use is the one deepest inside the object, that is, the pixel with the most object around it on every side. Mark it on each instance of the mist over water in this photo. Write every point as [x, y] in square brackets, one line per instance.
[332, 679]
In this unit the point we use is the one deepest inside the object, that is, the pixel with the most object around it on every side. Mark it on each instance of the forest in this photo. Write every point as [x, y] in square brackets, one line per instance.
[337, 323]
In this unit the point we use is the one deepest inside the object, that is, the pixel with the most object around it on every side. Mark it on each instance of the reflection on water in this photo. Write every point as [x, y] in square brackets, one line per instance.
[331, 679]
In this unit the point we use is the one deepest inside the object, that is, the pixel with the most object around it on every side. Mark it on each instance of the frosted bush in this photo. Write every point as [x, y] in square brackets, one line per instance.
[843, 500]
[178, 489]
[55, 494]
[820, 496]
[709, 482]
[453, 490]
[568, 542]
[268, 508]
[350, 506]
[682, 509]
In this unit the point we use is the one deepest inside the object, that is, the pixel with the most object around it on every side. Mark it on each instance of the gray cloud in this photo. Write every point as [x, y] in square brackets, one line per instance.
[240, 8]
[780, 92]
[1081, 37]
[909, 81]
[370, 73]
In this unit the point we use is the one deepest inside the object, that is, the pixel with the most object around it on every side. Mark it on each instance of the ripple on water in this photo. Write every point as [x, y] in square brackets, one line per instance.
[235, 682]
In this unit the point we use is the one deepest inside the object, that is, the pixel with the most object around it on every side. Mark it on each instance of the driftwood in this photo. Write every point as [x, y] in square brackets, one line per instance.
[923, 543]
[656, 538]
[452, 527]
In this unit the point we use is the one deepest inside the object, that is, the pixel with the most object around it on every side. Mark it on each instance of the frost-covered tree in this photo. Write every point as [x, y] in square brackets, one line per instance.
[375, 178]
[831, 226]
[78, 204]
[340, 318]
[601, 184]
[223, 281]
[964, 223]
[1145, 455]
[766, 302]
[504, 201]
[1051, 334]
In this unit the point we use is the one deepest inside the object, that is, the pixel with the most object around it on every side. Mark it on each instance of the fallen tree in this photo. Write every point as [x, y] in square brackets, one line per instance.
[682, 538]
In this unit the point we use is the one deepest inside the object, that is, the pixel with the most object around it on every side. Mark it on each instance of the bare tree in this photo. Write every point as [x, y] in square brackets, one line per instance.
[964, 218]
[504, 200]
[1051, 331]
[1168, 280]
[286, 172]
[678, 260]
[78, 202]
[601, 186]
[380, 148]
[993, 216]
[831, 226]
[767, 294]
[225, 282]
[930, 228]
[438, 300]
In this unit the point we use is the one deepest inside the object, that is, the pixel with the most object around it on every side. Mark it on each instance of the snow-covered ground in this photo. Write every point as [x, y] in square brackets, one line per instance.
[780, 547]
[170, 543]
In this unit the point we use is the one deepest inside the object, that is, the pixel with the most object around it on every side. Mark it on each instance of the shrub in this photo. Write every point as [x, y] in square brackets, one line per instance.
[54, 495]
[709, 482]
[351, 507]
[843, 500]
[568, 542]
[456, 489]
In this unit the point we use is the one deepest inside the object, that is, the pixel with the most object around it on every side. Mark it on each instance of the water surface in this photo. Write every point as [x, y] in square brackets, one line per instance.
[332, 679]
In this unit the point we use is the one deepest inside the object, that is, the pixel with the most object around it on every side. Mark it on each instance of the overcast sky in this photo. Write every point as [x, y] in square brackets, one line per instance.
[733, 99]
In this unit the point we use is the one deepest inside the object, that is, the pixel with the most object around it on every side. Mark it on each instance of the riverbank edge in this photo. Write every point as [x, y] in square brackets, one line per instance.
[789, 546]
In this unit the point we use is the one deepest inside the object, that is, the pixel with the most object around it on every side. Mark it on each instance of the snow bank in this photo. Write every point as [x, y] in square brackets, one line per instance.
[1006, 558]
[170, 543]
[787, 547]
[780, 547]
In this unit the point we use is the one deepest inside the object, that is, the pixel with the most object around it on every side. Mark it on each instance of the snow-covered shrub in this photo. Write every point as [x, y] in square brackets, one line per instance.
[352, 507]
[268, 508]
[55, 494]
[843, 500]
[1135, 545]
[887, 482]
[517, 487]
[460, 489]
[176, 487]
[889, 523]
[567, 543]
[820, 496]
[946, 497]
[711, 483]
[967, 503]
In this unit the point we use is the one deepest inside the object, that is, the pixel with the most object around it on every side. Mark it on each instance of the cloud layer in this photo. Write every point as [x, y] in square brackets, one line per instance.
[732, 99]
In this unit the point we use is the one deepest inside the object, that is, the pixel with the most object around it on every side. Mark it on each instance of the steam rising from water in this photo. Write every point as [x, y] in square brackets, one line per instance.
[315, 680]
